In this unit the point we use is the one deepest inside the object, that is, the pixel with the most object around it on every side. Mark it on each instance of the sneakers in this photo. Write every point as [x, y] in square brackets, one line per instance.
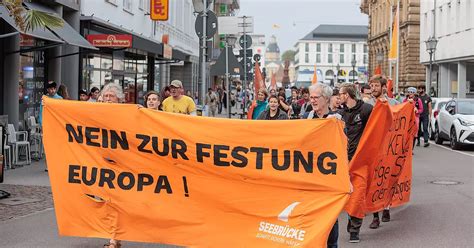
[349, 226]
[375, 223]
[386, 216]
[427, 144]
[354, 238]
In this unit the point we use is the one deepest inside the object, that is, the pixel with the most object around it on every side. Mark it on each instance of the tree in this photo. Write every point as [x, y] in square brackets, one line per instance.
[30, 19]
[288, 55]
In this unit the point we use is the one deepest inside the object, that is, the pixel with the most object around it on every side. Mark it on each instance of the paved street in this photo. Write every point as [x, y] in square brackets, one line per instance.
[438, 215]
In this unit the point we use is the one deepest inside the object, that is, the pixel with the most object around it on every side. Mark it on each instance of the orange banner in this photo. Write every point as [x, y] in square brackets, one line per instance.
[381, 168]
[129, 173]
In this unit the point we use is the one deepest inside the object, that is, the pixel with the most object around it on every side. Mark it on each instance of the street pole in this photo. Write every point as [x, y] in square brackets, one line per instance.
[245, 65]
[227, 82]
[203, 59]
[353, 74]
[428, 91]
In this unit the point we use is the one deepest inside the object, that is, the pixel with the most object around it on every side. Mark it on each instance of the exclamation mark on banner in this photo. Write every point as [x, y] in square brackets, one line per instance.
[186, 191]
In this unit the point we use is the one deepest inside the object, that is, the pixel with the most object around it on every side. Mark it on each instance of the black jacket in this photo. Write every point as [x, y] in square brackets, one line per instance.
[355, 119]
[265, 115]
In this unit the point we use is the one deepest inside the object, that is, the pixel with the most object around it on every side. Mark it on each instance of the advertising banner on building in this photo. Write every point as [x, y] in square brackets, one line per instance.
[129, 173]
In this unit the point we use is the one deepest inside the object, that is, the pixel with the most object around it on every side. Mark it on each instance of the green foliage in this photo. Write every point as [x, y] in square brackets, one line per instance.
[27, 20]
[288, 55]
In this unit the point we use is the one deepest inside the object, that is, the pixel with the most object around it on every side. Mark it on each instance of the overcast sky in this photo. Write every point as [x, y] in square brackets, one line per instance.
[297, 18]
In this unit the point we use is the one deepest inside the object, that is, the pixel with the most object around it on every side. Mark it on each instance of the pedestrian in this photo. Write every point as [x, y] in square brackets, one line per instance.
[51, 93]
[320, 96]
[273, 111]
[293, 102]
[378, 86]
[284, 106]
[152, 100]
[355, 115]
[260, 104]
[165, 93]
[366, 93]
[211, 102]
[83, 96]
[94, 94]
[112, 93]
[63, 92]
[424, 116]
[304, 103]
[220, 93]
[417, 104]
[273, 92]
[335, 103]
[177, 102]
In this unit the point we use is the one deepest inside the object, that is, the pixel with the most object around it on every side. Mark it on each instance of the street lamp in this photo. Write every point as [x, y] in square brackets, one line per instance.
[353, 63]
[431, 48]
[338, 67]
[229, 42]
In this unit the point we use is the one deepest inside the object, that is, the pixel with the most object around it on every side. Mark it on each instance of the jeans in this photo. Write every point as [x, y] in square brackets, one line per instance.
[333, 235]
[423, 129]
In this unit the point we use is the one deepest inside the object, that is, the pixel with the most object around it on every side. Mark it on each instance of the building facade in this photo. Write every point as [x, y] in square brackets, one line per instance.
[332, 48]
[32, 58]
[452, 24]
[410, 71]
[158, 53]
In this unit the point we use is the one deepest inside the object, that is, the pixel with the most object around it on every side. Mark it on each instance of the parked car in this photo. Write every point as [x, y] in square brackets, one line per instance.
[456, 123]
[437, 104]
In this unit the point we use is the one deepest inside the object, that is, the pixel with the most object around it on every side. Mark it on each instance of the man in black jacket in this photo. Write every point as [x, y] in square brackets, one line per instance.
[355, 114]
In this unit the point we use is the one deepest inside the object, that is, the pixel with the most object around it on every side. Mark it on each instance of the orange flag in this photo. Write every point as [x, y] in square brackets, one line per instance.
[314, 80]
[390, 88]
[258, 81]
[393, 54]
[378, 70]
[273, 85]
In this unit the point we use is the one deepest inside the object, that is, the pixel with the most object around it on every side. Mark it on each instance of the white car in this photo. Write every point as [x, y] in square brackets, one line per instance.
[456, 123]
[437, 104]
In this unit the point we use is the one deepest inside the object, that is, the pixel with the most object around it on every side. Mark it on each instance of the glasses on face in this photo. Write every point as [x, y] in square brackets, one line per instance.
[315, 97]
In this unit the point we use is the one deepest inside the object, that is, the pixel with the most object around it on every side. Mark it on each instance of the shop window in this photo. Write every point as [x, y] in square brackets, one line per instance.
[106, 63]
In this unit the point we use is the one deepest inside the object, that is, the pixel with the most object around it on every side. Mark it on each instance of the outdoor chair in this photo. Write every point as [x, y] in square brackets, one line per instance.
[7, 152]
[36, 137]
[19, 140]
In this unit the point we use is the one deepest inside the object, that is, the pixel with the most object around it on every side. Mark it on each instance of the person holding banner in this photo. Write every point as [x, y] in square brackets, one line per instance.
[152, 100]
[273, 112]
[355, 114]
[179, 103]
[112, 93]
[320, 97]
[378, 84]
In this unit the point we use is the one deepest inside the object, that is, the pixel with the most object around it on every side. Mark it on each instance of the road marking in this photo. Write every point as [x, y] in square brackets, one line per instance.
[449, 149]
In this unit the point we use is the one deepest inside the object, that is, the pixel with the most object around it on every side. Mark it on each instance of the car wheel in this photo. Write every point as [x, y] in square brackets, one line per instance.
[454, 140]
[438, 139]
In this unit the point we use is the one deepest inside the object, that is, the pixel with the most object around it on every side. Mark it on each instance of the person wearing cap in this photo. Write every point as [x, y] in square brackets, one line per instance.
[179, 103]
[94, 94]
[51, 93]
[83, 96]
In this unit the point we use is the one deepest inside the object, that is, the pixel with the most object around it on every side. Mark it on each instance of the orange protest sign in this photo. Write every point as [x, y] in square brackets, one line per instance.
[381, 168]
[129, 173]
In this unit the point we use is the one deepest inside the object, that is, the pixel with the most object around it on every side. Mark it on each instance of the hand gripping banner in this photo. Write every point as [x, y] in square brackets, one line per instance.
[381, 169]
[129, 173]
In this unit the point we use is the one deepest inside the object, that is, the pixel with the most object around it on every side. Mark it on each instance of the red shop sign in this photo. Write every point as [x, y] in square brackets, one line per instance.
[110, 40]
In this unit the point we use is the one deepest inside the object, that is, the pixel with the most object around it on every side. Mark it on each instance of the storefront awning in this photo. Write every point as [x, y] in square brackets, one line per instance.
[66, 32]
[39, 33]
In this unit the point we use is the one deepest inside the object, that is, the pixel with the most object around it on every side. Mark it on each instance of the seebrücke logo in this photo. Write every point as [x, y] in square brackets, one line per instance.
[281, 233]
